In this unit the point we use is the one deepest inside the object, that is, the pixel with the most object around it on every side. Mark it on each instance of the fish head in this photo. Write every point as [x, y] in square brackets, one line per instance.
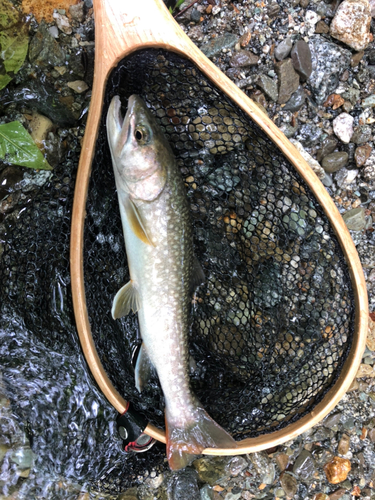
[140, 152]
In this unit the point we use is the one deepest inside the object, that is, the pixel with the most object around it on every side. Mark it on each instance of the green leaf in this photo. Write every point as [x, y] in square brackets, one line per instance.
[180, 2]
[170, 10]
[14, 41]
[18, 148]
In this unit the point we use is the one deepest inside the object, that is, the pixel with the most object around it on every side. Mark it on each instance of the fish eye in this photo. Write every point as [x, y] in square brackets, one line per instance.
[141, 135]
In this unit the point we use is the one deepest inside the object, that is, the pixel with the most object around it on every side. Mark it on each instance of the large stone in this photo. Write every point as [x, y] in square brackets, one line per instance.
[288, 80]
[289, 484]
[268, 85]
[296, 101]
[329, 61]
[351, 24]
[337, 470]
[362, 154]
[355, 219]
[304, 466]
[44, 50]
[301, 58]
[215, 46]
[243, 58]
[362, 134]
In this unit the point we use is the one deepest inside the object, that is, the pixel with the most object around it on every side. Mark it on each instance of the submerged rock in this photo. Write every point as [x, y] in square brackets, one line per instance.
[296, 101]
[361, 134]
[283, 49]
[268, 85]
[215, 46]
[329, 61]
[243, 58]
[351, 24]
[362, 154]
[337, 470]
[354, 220]
[335, 161]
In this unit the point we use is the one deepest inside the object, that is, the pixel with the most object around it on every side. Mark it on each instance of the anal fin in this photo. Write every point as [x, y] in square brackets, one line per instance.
[126, 299]
[143, 369]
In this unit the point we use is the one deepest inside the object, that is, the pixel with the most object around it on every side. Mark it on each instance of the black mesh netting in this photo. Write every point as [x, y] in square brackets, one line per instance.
[272, 325]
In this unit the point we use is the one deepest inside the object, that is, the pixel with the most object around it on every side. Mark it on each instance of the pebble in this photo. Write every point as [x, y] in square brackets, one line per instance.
[268, 85]
[296, 101]
[355, 219]
[345, 177]
[283, 49]
[344, 445]
[304, 466]
[78, 86]
[282, 461]
[356, 58]
[336, 495]
[243, 58]
[327, 180]
[321, 496]
[334, 101]
[370, 342]
[337, 470]
[288, 130]
[288, 80]
[322, 27]
[309, 135]
[77, 12]
[62, 23]
[215, 46]
[335, 161]
[361, 134]
[328, 146]
[206, 493]
[319, 171]
[351, 24]
[343, 127]
[289, 484]
[329, 61]
[368, 102]
[53, 31]
[236, 466]
[40, 126]
[44, 50]
[362, 154]
[332, 420]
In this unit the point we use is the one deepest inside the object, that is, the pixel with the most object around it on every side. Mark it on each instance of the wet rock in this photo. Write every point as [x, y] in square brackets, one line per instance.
[321, 496]
[365, 370]
[309, 135]
[343, 127]
[9, 177]
[243, 58]
[215, 46]
[355, 219]
[352, 95]
[23, 457]
[336, 495]
[39, 127]
[328, 146]
[361, 154]
[282, 461]
[337, 470]
[347, 106]
[206, 493]
[236, 466]
[288, 129]
[258, 97]
[77, 12]
[328, 62]
[54, 31]
[283, 49]
[334, 101]
[62, 23]
[78, 86]
[309, 159]
[268, 85]
[301, 58]
[273, 9]
[44, 49]
[351, 24]
[344, 445]
[183, 484]
[289, 484]
[345, 177]
[288, 80]
[321, 455]
[263, 466]
[296, 101]
[322, 27]
[304, 466]
[334, 161]
[130, 494]
[361, 134]
[327, 180]
[211, 470]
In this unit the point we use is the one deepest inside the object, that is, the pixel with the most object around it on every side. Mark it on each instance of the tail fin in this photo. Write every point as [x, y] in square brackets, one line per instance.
[184, 443]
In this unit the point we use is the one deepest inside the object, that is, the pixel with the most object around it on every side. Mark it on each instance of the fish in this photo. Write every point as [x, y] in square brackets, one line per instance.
[164, 273]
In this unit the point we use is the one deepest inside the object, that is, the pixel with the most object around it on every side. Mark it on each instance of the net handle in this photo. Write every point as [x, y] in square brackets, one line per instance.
[122, 27]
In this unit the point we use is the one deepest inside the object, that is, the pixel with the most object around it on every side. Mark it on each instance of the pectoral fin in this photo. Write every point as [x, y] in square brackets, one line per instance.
[143, 369]
[135, 221]
[126, 299]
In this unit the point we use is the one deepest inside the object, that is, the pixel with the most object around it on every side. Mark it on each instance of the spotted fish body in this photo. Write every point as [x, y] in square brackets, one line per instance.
[163, 272]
